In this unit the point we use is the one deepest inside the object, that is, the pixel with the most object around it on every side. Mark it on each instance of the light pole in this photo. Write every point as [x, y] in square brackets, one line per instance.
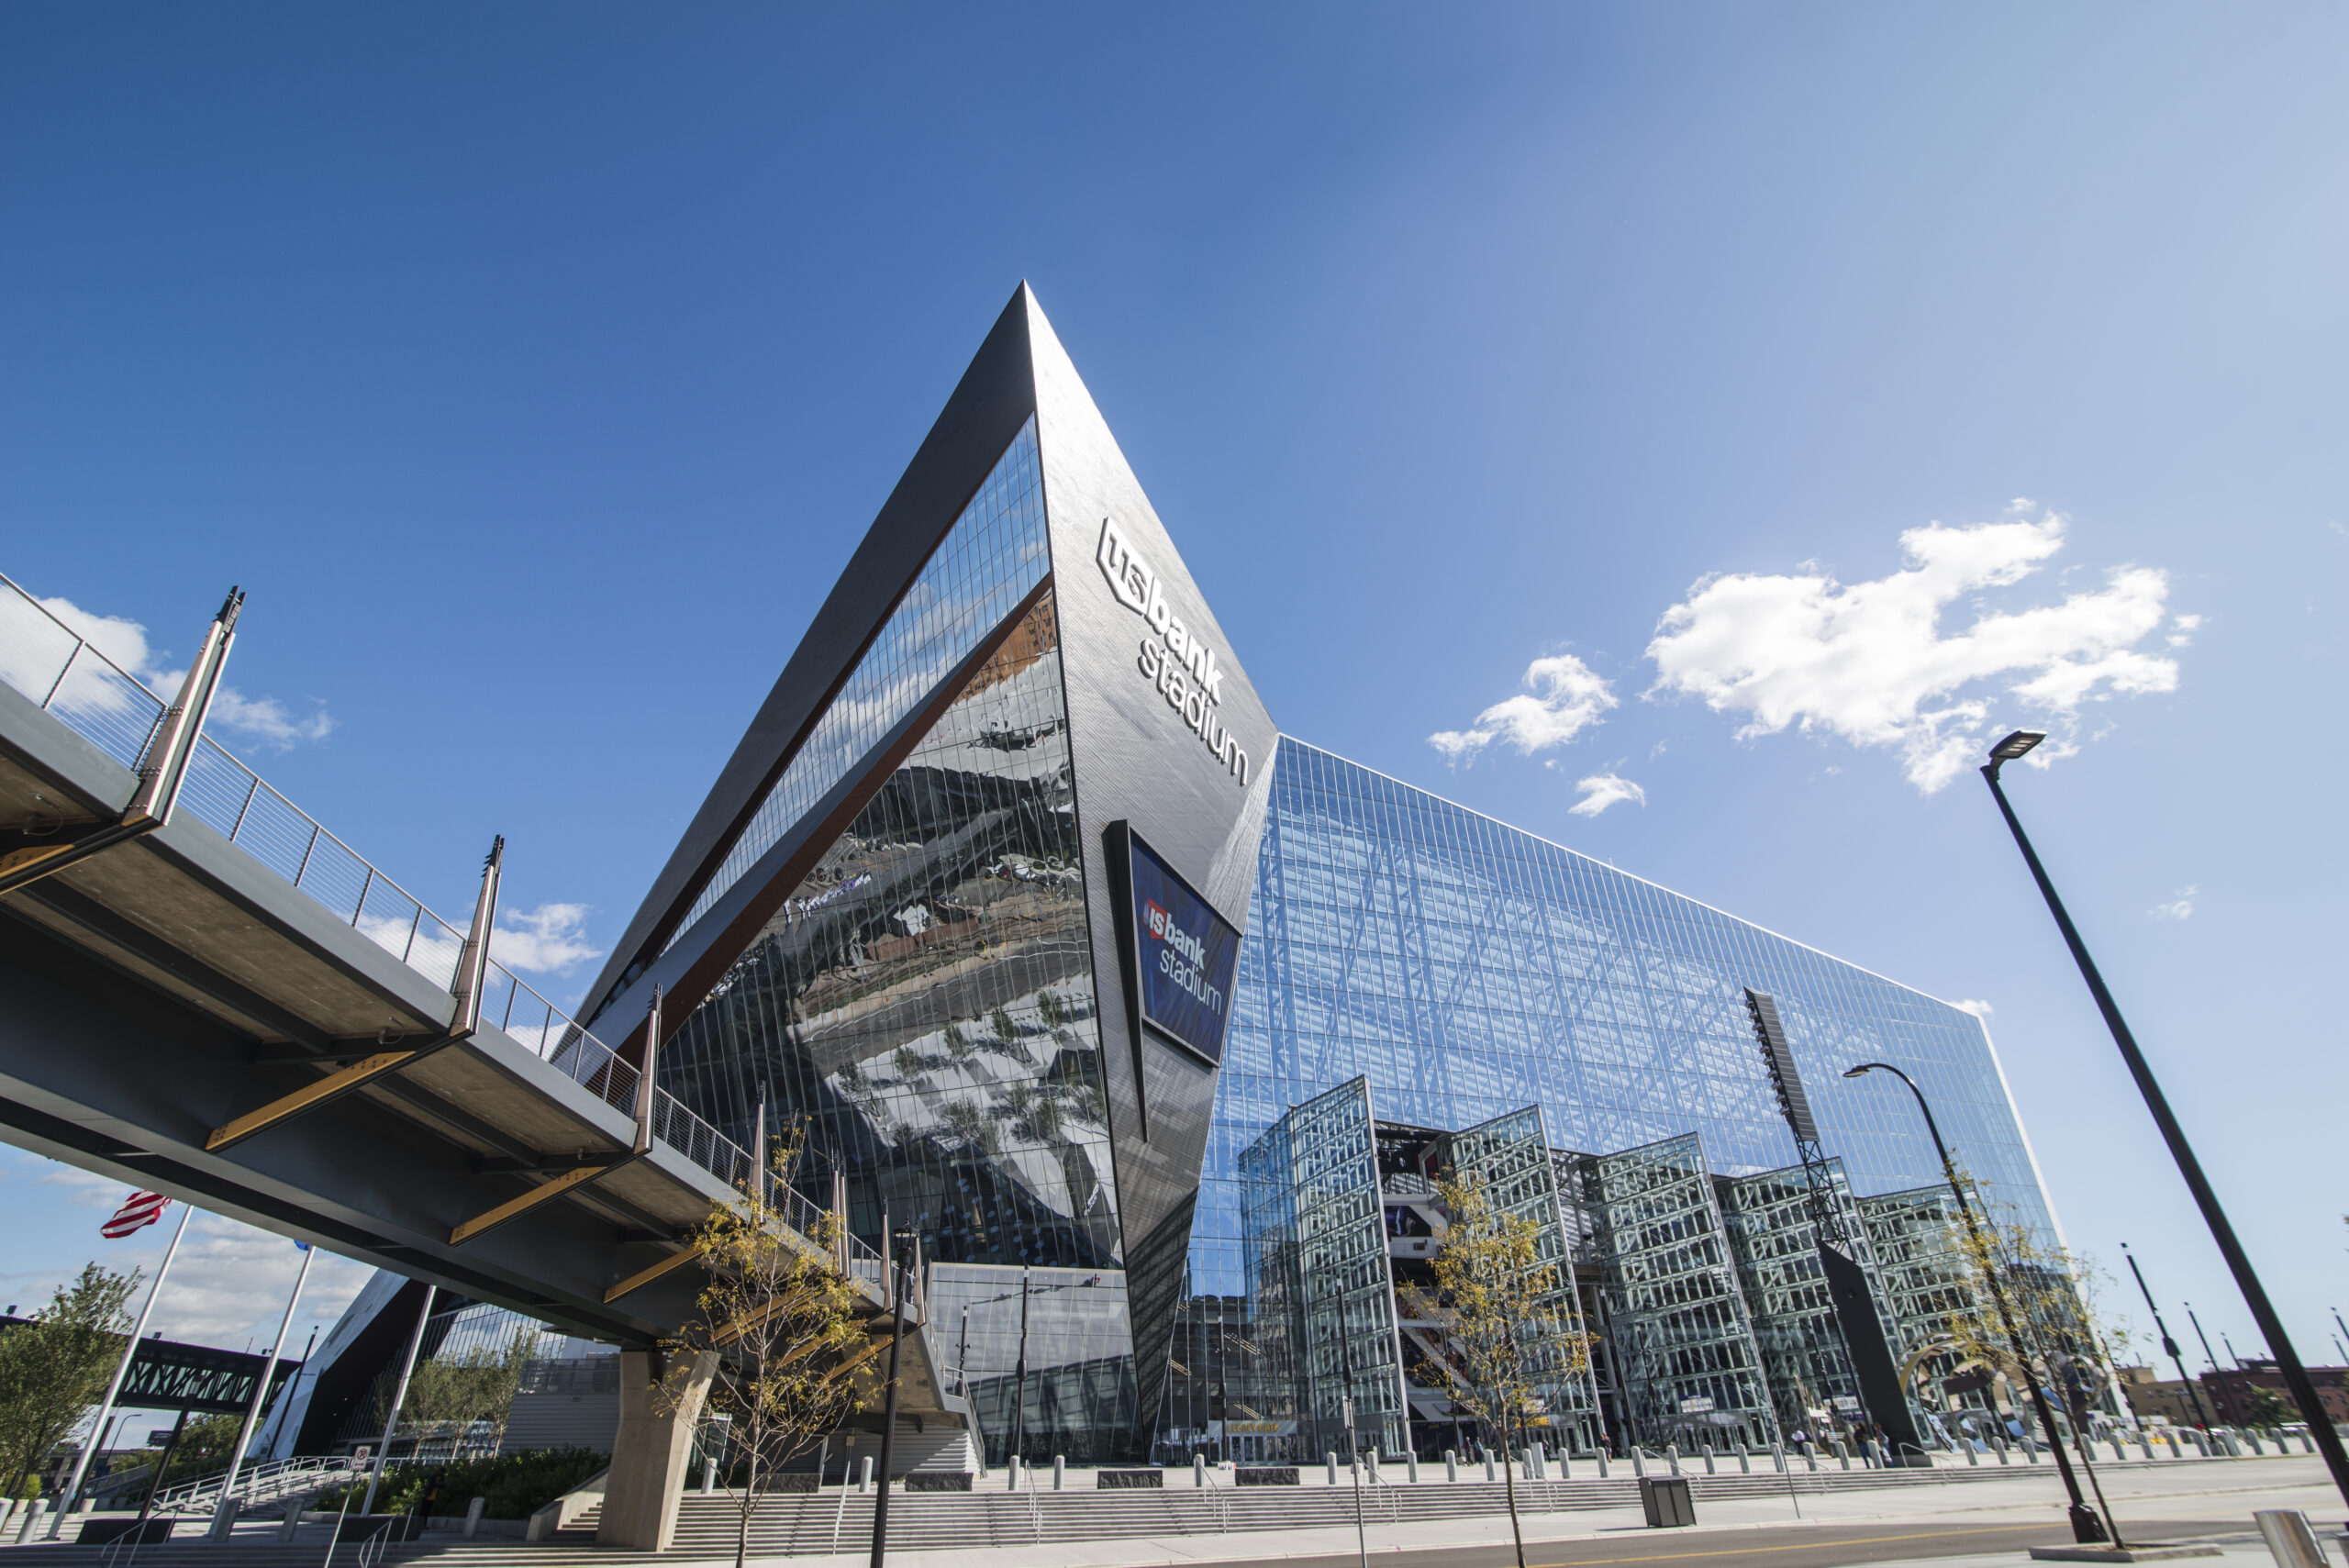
[1020, 1381]
[2255, 1294]
[2219, 1383]
[901, 1264]
[2086, 1526]
[2169, 1346]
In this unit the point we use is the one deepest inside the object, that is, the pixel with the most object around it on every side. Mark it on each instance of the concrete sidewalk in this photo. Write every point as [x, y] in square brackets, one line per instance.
[2142, 1498]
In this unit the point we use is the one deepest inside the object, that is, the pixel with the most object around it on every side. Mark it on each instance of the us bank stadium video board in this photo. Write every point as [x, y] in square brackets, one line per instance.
[1185, 955]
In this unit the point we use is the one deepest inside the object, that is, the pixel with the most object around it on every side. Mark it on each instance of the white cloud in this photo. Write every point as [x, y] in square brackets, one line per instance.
[2179, 907]
[548, 939]
[263, 721]
[1868, 661]
[1566, 695]
[1979, 1009]
[1603, 790]
[228, 1285]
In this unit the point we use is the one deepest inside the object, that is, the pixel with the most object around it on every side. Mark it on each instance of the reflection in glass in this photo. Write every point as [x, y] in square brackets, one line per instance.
[924, 996]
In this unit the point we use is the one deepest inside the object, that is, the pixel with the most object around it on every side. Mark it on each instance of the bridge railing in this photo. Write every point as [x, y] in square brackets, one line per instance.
[58, 668]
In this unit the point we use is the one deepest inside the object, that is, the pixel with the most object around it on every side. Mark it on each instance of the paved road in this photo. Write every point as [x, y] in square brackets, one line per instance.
[1770, 1546]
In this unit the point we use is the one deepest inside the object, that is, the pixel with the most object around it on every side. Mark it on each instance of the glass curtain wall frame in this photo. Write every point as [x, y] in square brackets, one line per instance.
[923, 1000]
[1918, 1240]
[1775, 1243]
[1689, 1366]
[1511, 1155]
[1320, 1260]
[1077, 1399]
[992, 557]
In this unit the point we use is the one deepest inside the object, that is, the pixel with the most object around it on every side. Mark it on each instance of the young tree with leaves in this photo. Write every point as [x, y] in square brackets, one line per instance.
[54, 1368]
[787, 1323]
[1508, 1347]
[2049, 1315]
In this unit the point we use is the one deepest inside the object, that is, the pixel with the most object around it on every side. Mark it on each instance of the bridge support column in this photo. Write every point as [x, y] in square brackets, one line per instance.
[659, 1411]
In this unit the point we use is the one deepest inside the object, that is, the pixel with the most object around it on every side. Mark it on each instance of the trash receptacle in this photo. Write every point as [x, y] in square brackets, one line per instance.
[1667, 1501]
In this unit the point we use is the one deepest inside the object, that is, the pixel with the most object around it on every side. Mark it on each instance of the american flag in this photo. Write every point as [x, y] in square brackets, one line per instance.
[137, 1211]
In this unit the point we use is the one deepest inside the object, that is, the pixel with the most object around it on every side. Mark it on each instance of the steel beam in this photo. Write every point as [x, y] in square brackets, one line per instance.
[643, 1277]
[472, 971]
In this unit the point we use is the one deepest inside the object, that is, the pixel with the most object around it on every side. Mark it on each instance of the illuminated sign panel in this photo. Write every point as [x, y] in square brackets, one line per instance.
[1185, 955]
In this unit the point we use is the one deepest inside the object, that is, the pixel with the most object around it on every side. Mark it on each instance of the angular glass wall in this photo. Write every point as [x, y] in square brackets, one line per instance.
[1469, 968]
[1066, 1328]
[1917, 1238]
[924, 998]
[1688, 1366]
[990, 559]
[1511, 1156]
[1318, 1246]
[1776, 1244]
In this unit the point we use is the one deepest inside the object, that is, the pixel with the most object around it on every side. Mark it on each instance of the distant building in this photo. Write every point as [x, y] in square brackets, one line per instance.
[2225, 1395]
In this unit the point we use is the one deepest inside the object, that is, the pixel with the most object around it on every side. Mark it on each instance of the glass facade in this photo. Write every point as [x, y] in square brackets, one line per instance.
[1467, 971]
[924, 999]
[991, 559]
[1067, 1329]
[1678, 1330]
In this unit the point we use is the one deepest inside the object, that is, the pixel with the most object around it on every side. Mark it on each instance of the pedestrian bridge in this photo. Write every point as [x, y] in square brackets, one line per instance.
[204, 992]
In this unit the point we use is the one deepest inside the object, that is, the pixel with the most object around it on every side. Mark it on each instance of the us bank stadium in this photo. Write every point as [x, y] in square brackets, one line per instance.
[1160, 1029]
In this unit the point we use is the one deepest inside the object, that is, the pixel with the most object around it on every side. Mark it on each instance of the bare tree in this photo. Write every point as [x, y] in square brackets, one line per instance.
[1508, 1347]
[787, 1323]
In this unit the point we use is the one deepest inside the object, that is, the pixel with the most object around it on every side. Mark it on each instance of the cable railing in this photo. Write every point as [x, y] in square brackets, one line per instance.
[70, 678]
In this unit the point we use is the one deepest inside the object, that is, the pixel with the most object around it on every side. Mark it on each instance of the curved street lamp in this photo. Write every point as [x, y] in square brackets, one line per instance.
[2255, 1294]
[2086, 1526]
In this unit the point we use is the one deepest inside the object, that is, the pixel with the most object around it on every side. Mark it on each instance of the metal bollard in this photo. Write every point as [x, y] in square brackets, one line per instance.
[1536, 1466]
[1333, 1466]
[1672, 1457]
[1602, 1465]
[1566, 1465]
[1011, 1474]
[1842, 1453]
[1709, 1459]
[2289, 1540]
[1199, 1471]
[35, 1512]
[1744, 1459]
[1490, 1473]
[1452, 1464]
[1370, 1466]
[472, 1516]
[1973, 1454]
[865, 1474]
[1411, 1467]
[708, 1476]
[1060, 1470]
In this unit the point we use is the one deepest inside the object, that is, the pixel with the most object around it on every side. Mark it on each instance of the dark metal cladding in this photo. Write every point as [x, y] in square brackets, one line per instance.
[1784, 1075]
[1140, 760]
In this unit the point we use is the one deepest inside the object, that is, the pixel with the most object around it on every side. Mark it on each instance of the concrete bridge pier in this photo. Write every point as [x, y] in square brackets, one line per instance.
[661, 1401]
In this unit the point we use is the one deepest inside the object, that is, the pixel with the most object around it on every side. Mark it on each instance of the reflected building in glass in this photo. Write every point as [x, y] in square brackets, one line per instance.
[911, 919]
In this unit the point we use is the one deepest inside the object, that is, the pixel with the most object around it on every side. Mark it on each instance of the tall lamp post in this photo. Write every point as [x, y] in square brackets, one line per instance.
[902, 1265]
[2169, 1346]
[2086, 1526]
[2255, 1294]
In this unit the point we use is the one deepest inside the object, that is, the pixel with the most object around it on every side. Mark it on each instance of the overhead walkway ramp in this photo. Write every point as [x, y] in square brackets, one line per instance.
[204, 992]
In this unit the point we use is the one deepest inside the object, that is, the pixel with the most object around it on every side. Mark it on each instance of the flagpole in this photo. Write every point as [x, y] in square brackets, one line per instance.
[261, 1391]
[121, 1371]
[399, 1398]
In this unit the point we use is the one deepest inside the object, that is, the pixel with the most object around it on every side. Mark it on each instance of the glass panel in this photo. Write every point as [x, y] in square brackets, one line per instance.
[989, 560]
[925, 995]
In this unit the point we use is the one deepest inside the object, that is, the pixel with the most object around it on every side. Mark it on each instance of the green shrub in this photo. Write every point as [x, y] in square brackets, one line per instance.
[517, 1484]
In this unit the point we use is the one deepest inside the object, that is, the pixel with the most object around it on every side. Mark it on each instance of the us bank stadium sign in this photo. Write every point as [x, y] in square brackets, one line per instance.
[1174, 658]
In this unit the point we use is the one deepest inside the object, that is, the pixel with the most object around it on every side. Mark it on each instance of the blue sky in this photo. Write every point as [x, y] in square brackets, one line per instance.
[1757, 406]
